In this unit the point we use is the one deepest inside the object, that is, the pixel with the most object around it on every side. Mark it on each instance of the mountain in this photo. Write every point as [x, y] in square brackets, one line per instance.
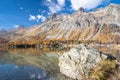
[2, 41]
[10, 34]
[100, 26]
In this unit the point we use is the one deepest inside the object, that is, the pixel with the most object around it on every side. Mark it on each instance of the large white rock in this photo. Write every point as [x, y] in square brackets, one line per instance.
[79, 60]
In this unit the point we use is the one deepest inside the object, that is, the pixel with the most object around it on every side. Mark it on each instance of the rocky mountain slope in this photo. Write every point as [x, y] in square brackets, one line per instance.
[11, 34]
[102, 25]
[3, 41]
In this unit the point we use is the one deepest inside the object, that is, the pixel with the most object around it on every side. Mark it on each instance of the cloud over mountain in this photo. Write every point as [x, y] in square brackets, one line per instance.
[37, 18]
[55, 6]
[87, 4]
[60, 6]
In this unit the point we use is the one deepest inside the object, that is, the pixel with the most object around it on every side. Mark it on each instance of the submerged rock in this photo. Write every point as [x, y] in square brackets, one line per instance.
[78, 62]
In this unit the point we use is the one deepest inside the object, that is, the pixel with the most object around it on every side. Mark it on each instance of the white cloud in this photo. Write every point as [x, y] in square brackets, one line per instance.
[87, 4]
[32, 18]
[16, 26]
[61, 2]
[37, 18]
[40, 17]
[55, 7]
[43, 18]
[49, 0]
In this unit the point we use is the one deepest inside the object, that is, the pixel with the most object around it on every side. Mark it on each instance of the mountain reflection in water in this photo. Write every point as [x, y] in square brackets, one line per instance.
[30, 64]
[34, 64]
[14, 72]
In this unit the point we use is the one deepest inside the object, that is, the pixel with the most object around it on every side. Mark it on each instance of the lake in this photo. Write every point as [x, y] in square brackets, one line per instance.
[34, 64]
[30, 64]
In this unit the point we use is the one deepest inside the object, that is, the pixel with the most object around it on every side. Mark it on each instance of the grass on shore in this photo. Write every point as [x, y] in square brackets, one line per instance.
[104, 71]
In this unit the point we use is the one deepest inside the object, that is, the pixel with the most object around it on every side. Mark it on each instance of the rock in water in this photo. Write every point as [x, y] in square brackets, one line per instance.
[79, 60]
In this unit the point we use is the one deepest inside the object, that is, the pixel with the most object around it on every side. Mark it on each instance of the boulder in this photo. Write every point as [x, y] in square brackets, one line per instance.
[78, 62]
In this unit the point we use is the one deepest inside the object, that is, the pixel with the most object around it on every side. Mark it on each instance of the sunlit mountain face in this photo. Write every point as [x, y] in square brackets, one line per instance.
[99, 26]
[35, 21]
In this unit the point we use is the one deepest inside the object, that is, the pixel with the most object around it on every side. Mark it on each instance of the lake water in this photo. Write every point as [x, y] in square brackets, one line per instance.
[30, 64]
[33, 64]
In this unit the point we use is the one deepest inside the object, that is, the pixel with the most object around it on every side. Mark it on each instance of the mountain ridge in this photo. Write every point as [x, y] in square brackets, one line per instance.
[102, 25]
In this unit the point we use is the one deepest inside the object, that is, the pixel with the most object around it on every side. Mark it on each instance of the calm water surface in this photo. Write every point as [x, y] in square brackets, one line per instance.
[32, 64]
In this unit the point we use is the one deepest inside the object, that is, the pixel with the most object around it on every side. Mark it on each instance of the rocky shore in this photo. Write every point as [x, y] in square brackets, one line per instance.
[82, 59]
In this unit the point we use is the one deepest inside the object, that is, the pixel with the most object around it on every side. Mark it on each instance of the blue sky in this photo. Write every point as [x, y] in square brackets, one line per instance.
[31, 12]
